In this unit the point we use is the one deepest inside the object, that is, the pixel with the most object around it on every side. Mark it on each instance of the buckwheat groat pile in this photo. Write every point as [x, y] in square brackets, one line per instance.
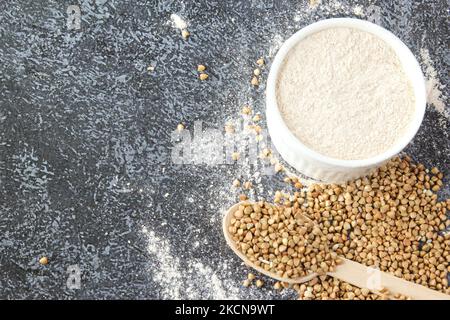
[391, 220]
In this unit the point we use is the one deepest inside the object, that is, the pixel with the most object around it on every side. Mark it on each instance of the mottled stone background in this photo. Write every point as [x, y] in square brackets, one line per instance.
[86, 176]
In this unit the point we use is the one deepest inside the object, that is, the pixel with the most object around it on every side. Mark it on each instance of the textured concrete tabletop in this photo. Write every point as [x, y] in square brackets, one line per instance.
[87, 175]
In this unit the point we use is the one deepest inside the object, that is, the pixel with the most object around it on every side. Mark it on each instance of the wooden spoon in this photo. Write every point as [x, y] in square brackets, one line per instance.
[349, 271]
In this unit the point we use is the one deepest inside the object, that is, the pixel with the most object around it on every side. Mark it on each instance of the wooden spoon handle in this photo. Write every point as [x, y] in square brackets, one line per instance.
[376, 280]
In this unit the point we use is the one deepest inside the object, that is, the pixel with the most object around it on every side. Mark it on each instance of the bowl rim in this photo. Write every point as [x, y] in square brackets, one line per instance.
[396, 44]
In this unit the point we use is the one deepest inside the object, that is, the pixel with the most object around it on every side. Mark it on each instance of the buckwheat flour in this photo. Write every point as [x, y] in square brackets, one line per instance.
[343, 93]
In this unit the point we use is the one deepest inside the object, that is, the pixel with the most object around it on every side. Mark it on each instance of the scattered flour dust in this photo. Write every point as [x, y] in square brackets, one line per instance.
[194, 281]
[350, 84]
[434, 87]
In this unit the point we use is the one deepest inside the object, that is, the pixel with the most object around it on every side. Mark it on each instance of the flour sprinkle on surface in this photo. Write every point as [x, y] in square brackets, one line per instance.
[435, 88]
[179, 280]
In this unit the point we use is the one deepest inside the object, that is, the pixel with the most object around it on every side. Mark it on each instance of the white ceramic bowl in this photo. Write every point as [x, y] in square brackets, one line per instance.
[310, 162]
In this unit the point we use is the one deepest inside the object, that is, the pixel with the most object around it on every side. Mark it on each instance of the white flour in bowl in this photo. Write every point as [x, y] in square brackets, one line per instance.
[343, 93]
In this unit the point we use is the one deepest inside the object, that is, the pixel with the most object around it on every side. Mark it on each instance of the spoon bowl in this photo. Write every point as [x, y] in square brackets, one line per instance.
[232, 244]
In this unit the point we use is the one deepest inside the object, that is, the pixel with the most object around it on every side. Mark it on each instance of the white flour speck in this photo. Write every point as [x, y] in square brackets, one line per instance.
[358, 10]
[275, 45]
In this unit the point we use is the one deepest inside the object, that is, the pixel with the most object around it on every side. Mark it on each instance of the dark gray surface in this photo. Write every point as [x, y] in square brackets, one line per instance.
[85, 136]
